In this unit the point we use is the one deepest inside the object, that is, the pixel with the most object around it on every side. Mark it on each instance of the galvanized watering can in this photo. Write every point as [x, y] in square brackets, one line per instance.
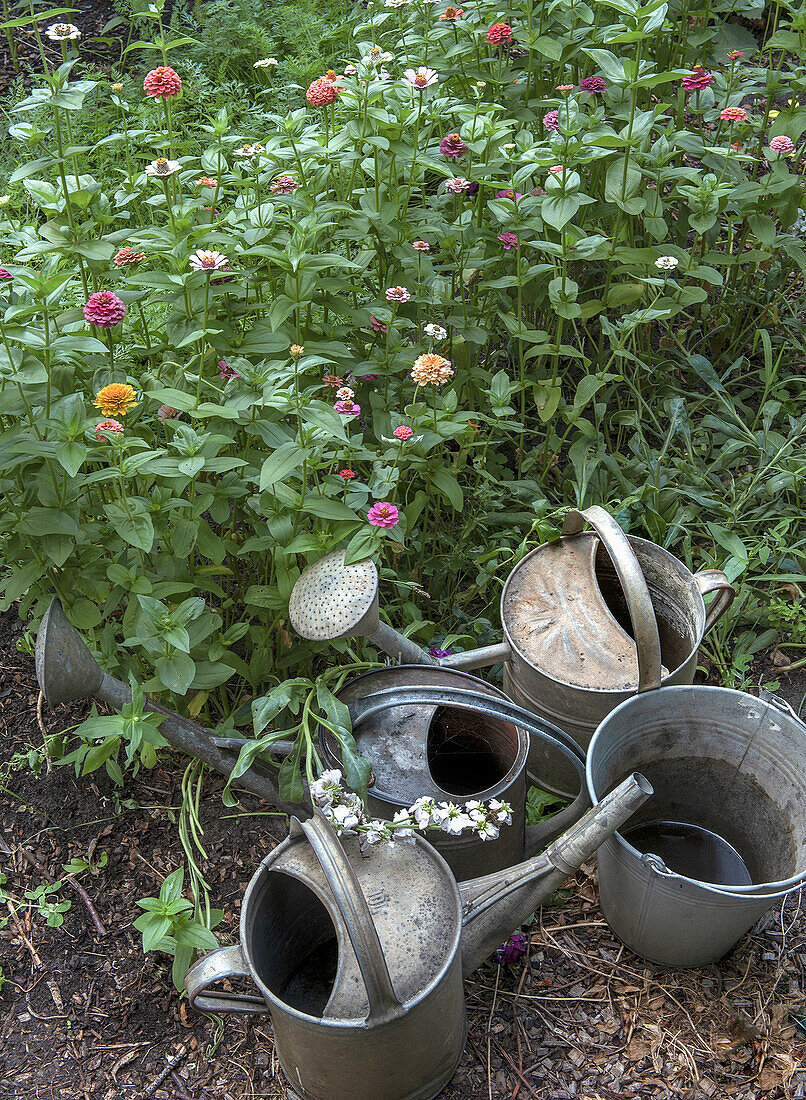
[437, 733]
[588, 621]
[360, 958]
[725, 836]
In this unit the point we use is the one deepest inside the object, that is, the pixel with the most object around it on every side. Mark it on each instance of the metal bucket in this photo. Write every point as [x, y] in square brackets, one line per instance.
[725, 835]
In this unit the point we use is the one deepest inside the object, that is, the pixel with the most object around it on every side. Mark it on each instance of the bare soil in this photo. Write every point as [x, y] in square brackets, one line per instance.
[88, 1017]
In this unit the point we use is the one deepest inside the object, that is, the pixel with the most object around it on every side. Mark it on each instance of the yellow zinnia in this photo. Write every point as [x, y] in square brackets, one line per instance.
[115, 399]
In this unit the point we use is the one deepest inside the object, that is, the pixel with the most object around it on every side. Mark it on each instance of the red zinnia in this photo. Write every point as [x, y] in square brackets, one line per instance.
[162, 83]
[346, 475]
[499, 34]
[322, 92]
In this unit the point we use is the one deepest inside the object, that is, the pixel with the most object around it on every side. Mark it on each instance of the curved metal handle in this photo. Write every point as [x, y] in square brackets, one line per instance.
[633, 585]
[225, 962]
[714, 580]
[355, 912]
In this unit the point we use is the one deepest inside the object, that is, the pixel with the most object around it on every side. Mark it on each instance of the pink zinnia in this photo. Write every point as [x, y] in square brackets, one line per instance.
[107, 426]
[346, 475]
[376, 325]
[499, 34]
[322, 92]
[5, 276]
[782, 144]
[421, 246]
[509, 240]
[697, 80]
[734, 55]
[733, 114]
[284, 185]
[556, 169]
[104, 309]
[162, 83]
[403, 433]
[127, 255]
[551, 120]
[452, 147]
[508, 193]
[593, 85]
[397, 294]
[226, 371]
[347, 408]
[383, 515]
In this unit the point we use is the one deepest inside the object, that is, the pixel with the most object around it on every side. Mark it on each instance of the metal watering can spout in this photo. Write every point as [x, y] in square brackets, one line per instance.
[497, 903]
[66, 671]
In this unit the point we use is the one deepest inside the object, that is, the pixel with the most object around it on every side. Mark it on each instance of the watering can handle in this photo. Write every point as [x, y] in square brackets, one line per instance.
[633, 585]
[225, 962]
[355, 912]
[714, 580]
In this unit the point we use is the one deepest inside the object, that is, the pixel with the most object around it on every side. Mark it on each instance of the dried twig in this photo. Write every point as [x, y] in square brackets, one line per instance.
[169, 1068]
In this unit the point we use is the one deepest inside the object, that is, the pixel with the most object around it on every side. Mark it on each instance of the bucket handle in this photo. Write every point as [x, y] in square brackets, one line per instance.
[714, 580]
[633, 585]
[355, 912]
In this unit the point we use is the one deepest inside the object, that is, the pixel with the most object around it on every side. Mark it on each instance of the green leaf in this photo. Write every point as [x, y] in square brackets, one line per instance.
[176, 671]
[71, 456]
[136, 529]
[328, 508]
[281, 463]
[447, 484]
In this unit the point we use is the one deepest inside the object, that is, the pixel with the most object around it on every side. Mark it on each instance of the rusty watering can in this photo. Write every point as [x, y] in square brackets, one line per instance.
[588, 621]
[437, 733]
[360, 958]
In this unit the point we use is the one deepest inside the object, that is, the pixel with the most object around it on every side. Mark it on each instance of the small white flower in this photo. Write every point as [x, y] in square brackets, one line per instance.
[402, 823]
[162, 167]
[5, 200]
[207, 260]
[249, 150]
[422, 77]
[422, 811]
[485, 830]
[454, 819]
[344, 820]
[350, 70]
[62, 32]
[475, 810]
[501, 811]
[326, 788]
[436, 332]
[266, 63]
[397, 3]
[666, 263]
[344, 393]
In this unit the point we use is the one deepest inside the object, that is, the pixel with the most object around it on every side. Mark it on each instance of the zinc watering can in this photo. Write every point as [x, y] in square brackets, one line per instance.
[441, 734]
[588, 621]
[359, 957]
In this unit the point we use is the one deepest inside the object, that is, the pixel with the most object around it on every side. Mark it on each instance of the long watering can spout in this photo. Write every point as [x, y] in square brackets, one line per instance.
[497, 903]
[66, 671]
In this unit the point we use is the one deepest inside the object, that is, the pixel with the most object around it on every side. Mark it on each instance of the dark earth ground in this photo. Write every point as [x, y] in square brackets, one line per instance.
[89, 1017]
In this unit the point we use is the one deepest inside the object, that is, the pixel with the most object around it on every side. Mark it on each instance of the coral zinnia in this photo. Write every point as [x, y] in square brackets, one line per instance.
[697, 79]
[450, 14]
[499, 34]
[162, 83]
[383, 515]
[322, 92]
[431, 369]
[104, 309]
[452, 147]
[116, 399]
[107, 426]
[733, 114]
[127, 255]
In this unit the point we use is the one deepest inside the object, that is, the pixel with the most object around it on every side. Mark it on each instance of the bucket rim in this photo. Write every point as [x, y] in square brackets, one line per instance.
[754, 890]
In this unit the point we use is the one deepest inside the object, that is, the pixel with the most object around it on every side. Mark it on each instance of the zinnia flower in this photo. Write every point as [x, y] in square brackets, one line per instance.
[512, 950]
[565, 88]
[383, 515]
[284, 185]
[593, 85]
[127, 255]
[403, 432]
[205, 181]
[117, 87]
[162, 83]
[551, 120]
[346, 475]
[733, 114]
[105, 310]
[431, 369]
[508, 193]
[116, 399]
[782, 144]
[62, 32]
[397, 294]
[167, 412]
[332, 380]
[421, 78]
[207, 260]
[734, 55]
[347, 408]
[344, 393]
[451, 13]
[107, 426]
[266, 63]
[457, 186]
[697, 80]
[322, 92]
[249, 150]
[666, 263]
[5, 276]
[436, 332]
[296, 351]
[508, 240]
[162, 167]
[556, 169]
[452, 147]
[376, 325]
[421, 246]
[226, 371]
[499, 34]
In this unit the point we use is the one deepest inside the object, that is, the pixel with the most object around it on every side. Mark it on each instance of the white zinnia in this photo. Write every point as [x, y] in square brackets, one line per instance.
[62, 32]
[436, 332]
[421, 78]
[266, 63]
[666, 263]
[207, 260]
[162, 167]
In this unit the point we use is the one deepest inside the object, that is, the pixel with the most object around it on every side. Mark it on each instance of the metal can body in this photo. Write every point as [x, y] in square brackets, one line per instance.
[732, 767]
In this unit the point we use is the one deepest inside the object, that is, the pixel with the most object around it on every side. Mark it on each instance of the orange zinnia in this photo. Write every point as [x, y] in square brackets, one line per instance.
[115, 399]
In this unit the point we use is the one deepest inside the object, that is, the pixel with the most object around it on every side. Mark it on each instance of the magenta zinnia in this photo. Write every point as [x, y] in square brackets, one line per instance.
[593, 85]
[403, 433]
[697, 80]
[782, 144]
[551, 120]
[104, 309]
[383, 515]
[452, 147]
[509, 240]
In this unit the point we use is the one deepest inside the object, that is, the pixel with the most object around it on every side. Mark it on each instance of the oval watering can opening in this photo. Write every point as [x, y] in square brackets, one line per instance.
[469, 753]
[294, 946]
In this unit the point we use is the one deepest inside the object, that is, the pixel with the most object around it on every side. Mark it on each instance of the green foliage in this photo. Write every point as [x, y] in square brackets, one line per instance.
[168, 925]
[542, 804]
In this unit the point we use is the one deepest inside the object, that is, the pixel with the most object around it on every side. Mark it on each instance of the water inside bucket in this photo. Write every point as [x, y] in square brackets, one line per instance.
[467, 753]
[692, 851]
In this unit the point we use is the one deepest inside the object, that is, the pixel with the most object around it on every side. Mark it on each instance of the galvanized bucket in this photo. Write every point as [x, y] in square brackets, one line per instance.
[437, 733]
[725, 835]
